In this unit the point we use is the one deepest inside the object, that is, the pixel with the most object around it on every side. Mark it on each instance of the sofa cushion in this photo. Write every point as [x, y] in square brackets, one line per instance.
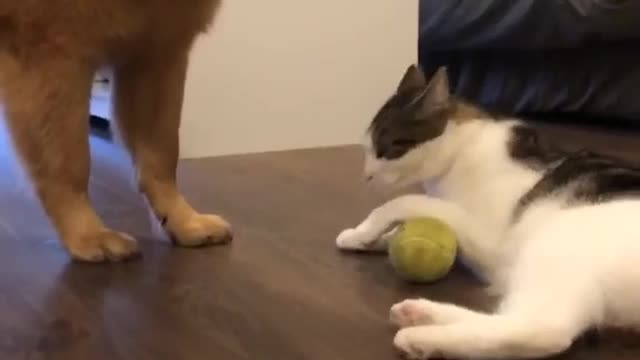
[526, 24]
[532, 56]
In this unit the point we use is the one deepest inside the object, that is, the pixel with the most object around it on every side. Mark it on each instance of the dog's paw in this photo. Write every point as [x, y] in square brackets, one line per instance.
[411, 312]
[411, 343]
[105, 245]
[199, 230]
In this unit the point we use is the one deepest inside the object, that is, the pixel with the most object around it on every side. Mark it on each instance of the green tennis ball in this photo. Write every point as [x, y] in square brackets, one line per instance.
[423, 249]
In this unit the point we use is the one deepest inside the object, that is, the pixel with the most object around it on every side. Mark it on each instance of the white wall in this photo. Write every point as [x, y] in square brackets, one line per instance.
[282, 74]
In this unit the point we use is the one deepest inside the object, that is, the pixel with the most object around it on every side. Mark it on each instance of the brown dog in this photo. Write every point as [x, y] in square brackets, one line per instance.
[49, 53]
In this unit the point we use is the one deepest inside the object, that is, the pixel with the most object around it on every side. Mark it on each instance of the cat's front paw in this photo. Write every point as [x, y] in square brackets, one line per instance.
[352, 239]
[412, 344]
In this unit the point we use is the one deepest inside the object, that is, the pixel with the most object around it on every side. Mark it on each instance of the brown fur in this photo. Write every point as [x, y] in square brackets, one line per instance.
[464, 111]
[49, 52]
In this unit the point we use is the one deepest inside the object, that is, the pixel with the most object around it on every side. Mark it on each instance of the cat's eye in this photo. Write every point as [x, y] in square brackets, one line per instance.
[394, 152]
[403, 142]
[395, 148]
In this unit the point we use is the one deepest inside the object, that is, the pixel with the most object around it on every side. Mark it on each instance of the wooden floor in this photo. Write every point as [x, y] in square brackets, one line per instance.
[280, 291]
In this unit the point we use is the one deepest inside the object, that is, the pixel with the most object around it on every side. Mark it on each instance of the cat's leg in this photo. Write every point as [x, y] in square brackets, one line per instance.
[474, 241]
[488, 337]
[351, 239]
[149, 96]
[415, 312]
[47, 106]
[382, 219]
[547, 306]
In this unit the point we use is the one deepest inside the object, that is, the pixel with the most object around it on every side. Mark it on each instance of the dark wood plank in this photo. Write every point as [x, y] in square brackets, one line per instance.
[280, 291]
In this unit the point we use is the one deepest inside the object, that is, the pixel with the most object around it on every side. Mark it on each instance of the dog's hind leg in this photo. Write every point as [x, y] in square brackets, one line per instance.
[46, 104]
[149, 94]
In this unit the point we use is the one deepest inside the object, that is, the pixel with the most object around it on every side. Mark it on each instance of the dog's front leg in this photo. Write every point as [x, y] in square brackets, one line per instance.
[149, 95]
[47, 106]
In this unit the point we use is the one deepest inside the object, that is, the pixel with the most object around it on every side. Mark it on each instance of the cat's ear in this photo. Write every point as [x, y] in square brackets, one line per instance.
[413, 79]
[438, 92]
[434, 99]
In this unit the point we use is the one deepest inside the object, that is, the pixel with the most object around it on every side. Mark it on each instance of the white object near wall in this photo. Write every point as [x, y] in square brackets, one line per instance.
[101, 94]
[283, 74]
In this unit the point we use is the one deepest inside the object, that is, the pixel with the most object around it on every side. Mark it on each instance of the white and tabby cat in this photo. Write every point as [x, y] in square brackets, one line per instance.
[554, 232]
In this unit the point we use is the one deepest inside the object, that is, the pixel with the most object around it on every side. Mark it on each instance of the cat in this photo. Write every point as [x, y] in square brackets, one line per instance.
[49, 53]
[553, 232]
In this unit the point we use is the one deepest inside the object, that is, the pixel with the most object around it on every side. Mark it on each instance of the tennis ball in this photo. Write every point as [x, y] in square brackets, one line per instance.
[423, 249]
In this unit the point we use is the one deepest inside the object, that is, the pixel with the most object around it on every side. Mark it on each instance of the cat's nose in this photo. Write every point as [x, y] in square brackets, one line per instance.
[369, 178]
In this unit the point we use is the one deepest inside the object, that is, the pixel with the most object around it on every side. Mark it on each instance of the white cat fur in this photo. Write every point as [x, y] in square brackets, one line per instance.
[560, 269]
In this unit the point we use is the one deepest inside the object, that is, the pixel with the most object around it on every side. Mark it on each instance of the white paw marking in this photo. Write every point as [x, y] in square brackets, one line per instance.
[410, 312]
[352, 239]
[411, 345]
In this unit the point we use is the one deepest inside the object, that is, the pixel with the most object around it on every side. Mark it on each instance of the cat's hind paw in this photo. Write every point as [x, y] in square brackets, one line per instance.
[411, 312]
[409, 342]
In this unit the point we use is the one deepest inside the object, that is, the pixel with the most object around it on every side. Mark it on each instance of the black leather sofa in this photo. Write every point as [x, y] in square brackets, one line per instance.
[572, 57]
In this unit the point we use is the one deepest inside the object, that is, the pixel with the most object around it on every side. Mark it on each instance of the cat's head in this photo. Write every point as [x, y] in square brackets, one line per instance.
[406, 140]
